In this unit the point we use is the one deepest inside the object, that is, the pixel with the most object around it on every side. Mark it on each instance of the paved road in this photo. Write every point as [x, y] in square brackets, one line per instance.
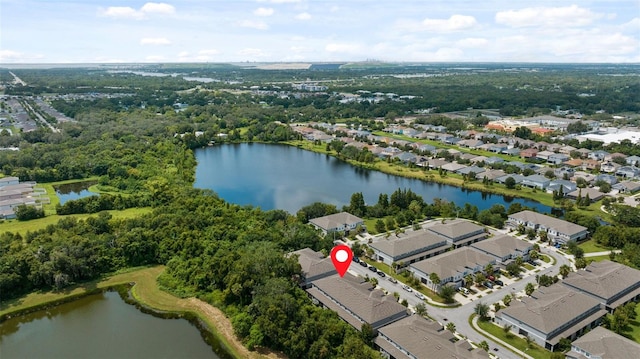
[460, 315]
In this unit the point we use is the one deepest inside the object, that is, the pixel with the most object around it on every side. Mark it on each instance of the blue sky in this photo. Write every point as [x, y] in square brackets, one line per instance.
[74, 31]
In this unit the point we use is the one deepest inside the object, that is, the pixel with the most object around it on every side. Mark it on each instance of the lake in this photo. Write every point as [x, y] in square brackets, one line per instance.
[100, 326]
[272, 176]
[72, 191]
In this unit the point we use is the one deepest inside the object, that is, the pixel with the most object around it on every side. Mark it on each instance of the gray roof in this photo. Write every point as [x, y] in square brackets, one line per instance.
[605, 279]
[490, 174]
[455, 229]
[357, 297]
[423, 338]
[550, 308]
[502, 245]
[335, 220]
[605, 344]
[559, 225]
[409, 243]
[456, 261]
[314, 264]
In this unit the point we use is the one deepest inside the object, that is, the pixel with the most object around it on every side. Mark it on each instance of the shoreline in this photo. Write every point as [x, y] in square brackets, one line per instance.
[148, 297]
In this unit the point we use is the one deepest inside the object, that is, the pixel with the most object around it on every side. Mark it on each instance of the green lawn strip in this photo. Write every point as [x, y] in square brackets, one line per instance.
[534, 350]
[21, 227]
[528, 266]
[388, 271]
[545, 258]
[371, 225]
[590, 246]
[597, 258]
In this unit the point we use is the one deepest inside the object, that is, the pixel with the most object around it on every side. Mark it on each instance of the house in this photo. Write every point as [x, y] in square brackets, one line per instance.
[314, 266]
[612, 156]
[408, 248]
[628, 172]
[610, 179]
[516, 177]
[588, 177]
[529, 153]
[612, 284]
[567, 150]
[609, 167]
[356, 301]
[459, 232]
[451, 267]
[504, 248]
[558, 230]
[564, 172]
[552, 313]
[436, 163]
[536, 181]
[576, 162]
[602, 343]
[6, 181]
[465, 171]
[544, 155]
[491, 175]
[406, 157]
[557, 158]
[633, 160]
[627, 187]
[493, 160]
[453, 167]
[590, 165]
[472, 144]
[584, 152]
[512, 151]
[498, 148]
[338, 222]
[562, 185]
[598, 155]
[416, 337]
[593, 193]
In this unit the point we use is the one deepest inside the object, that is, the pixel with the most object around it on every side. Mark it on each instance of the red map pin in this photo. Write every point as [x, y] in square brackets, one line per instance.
[341, 257]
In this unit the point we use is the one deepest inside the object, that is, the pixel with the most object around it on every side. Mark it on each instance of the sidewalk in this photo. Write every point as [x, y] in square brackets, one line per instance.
[474, 324]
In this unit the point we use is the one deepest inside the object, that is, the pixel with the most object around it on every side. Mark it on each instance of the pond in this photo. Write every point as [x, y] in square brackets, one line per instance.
[273, 176]
[100, 326]
[71, 191]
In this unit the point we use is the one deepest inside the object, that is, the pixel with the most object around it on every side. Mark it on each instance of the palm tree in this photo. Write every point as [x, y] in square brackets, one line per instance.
[529, 288]
[564, 270]
[421, 309]
[488, 269]
[506, 300]
[433, 277]
[468, 280]
[482, 310]
[451, 327]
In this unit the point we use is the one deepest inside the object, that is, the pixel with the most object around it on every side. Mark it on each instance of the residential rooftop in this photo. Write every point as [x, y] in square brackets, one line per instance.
[548, 222]
[502, 245]
[613, 282]
[414, 242]
[451, 263]
[604, 344]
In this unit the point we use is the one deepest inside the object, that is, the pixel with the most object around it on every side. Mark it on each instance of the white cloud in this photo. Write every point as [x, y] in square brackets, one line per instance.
[259, 25]
[8, 56]
[127, 12]
[632, 26]
[567, 16]
[155, 41]
[280, 1]
[159, 8]
[454, 23]
[154, 58]
[263, 11]
[252, 53]
[472, 42]
[303, 16]
[184, 54]
[209, 52]
[342, 48]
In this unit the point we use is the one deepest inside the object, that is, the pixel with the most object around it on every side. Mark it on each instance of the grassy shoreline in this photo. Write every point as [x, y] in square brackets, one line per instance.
[146, 293]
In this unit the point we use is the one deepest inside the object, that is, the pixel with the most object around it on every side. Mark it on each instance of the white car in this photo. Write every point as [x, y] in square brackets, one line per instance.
[407, 288]
[420, 296]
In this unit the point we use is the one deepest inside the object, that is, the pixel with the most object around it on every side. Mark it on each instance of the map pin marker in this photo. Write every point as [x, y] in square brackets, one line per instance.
[341, 257]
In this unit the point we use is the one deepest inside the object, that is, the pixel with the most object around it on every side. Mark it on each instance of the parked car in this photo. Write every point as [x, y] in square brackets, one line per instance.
[407, 288]
[356, 259]
[392, 280]
[420, 296]
[364, 264]
[381, 273]
[498, 282]
[373, 269]
[464, 290]
[488, 285]
[491, 278]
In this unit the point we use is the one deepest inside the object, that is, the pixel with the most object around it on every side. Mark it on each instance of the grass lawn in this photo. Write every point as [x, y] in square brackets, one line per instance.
[535, 350]
[597, 258]
[591, 246]
[547, 259]
[50, 209]
[16, 226]
[528, 266]
[371, 225]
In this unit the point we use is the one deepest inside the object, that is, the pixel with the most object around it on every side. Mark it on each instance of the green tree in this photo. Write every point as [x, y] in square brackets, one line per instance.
[433, 278]
[564, 270]
[357, 206]
[529, 288]
[451, 327]
[447, 293]
[482, 310]
[506, 299]
[421, 309]
[484, 345]
[510, 182]
[380, 226]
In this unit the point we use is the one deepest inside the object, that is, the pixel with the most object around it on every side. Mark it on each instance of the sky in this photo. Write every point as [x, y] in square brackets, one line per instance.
[106, 31]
